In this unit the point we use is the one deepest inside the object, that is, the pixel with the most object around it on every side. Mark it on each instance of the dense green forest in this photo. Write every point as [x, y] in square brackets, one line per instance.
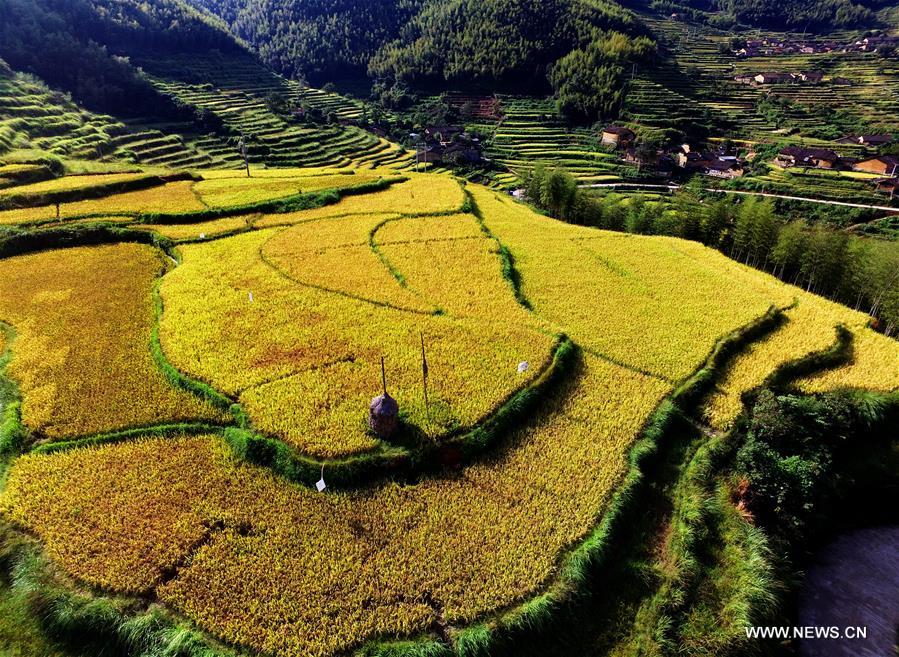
[315, 40]
[823, 15]
[576, 48]
[81, 46]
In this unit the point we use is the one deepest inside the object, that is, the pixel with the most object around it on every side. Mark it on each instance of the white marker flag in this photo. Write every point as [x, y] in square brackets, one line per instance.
[320, 485]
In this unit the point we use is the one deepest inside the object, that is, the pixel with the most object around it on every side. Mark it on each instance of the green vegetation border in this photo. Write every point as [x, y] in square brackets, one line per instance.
[696, 503]
[540, 613]
[12, 432]
[26, 242]
[509, 271]
[113, 625]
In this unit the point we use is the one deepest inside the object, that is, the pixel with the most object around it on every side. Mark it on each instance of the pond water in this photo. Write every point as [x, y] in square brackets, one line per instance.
[854, 582]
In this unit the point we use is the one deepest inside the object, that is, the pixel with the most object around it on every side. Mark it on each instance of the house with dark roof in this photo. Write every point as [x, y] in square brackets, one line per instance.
[798, 156]
[444, 135]
[888, 186]
[617, 136]
[885, 165]
[872, 141]
[773, 78]
[728, 168]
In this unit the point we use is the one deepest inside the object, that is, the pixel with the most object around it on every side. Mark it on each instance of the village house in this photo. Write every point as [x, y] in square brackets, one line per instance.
[443, 135]
[887, 165]
[691, 160]
[871, 141]
[617, 136]
[812, 77]
[773, 78]
[888, 186]
[725, 167]
[797, 156]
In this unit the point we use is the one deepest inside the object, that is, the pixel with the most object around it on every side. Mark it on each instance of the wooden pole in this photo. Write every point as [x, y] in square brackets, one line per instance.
[424, 377]
[383, 376]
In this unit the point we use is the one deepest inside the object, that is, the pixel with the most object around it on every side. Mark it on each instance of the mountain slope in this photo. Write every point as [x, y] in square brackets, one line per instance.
[78, 45]
[463, 42]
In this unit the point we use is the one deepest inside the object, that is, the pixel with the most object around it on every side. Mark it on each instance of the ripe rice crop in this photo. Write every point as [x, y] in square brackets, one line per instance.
[654, 303]
[298, 573]
[292, 323]
[874, 365]
[334, 254]
[810, 328]
[70, 183]
[422, 194]
[201, 229]
[424, 229]
[172, 197]
[287, 172]
[82, 359]
[303, 353]
[461, 277]
[227, 192]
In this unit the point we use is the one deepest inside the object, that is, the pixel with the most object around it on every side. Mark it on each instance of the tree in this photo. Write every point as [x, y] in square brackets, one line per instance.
[788, 251]
[763, 233]
[557, 193]
[715, 221]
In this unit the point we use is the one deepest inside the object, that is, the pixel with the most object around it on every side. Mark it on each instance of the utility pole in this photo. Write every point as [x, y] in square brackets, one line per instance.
[242, 147]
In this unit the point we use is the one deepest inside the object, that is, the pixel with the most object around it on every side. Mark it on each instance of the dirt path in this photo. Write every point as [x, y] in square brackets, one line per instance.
[854, 582]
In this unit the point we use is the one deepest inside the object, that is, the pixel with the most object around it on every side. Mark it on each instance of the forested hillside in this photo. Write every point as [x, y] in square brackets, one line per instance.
[577, 48]
[80, 46]
[315, 40]
[812, 15]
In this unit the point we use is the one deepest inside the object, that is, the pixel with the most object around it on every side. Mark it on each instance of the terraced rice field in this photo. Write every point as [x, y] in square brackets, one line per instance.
[179, 196]
[530, 132]
[83, 319]
[701, 79]
[289, 319]
[237, 90]
[32, 116]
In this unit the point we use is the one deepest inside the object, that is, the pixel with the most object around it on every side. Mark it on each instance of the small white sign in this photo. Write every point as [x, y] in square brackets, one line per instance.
[523, 366]
[320, 485]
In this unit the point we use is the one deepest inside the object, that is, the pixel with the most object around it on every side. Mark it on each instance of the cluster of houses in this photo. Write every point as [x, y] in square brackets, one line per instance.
[886, 166]
[719, 163]
[772, 47]
[782, 77]
[727, 164]
[448, 145]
